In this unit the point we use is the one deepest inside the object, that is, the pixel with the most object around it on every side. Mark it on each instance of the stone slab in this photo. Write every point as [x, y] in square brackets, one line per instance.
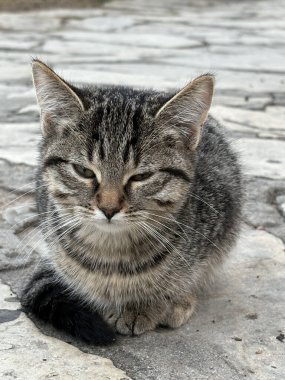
[262, 157]
[25, 353]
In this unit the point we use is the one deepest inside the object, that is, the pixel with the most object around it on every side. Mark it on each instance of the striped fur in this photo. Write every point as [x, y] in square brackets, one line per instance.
[139, 195]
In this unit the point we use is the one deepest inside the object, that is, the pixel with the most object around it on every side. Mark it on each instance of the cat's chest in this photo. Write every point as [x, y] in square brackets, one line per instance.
[118, 282]
[114, 270]
[110, 253]
[114, 287]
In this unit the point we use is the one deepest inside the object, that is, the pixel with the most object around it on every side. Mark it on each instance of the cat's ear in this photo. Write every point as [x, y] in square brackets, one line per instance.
[187, 111]
[59, 103]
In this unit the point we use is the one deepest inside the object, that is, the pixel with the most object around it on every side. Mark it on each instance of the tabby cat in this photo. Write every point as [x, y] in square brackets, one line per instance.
[139, 196]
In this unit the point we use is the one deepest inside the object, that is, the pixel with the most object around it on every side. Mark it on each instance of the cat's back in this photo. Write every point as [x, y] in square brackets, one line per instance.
[216, 155]
[217, 184]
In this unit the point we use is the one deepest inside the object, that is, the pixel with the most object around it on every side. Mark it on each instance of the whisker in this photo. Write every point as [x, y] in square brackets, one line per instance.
[161, 239]
[164, 225]
[203, 201]
[51, 232]
[49, 212]
[19, 197]
[191, 228]
[170, 219]
[21, 187]
[24, 242]
[62, 235]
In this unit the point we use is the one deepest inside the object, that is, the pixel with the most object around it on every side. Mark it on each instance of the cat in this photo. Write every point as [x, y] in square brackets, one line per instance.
[139, 195]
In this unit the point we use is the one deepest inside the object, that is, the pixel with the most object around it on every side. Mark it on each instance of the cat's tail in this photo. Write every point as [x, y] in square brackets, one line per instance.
[47, 299]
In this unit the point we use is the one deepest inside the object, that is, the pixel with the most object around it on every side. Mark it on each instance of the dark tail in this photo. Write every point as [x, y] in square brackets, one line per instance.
[50, 301]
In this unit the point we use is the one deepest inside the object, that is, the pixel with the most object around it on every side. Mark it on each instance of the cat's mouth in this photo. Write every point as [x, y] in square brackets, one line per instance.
[99, 221]
[116, 224]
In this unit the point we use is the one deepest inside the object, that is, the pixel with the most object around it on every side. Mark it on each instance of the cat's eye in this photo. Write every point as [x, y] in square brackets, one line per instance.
[140, 177]
[83, 172]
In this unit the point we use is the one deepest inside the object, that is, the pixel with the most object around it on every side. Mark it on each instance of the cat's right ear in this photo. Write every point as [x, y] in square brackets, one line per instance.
[59, 104]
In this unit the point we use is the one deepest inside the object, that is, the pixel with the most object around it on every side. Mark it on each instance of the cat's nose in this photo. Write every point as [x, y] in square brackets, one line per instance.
[109, 212]
[110, 201]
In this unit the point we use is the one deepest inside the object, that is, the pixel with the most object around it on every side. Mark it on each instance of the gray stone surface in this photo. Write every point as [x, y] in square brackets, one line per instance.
[27, 354]
[158, 44]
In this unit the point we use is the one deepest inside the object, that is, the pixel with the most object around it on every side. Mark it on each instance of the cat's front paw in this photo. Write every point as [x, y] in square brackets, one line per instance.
[135, 323]
[132, 321]
[179, 312]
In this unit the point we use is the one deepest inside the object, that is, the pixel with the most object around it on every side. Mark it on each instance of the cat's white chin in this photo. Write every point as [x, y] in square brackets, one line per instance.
[112, 226]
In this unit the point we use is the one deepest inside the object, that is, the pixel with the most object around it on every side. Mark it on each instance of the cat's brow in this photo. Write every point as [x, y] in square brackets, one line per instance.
[176, 172]
[54, 160]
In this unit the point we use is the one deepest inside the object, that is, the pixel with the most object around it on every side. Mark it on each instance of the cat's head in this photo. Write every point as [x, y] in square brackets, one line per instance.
[116, 158]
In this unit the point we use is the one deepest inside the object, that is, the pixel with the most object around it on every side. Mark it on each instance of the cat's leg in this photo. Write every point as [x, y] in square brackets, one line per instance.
[136, 321]
[51, 301]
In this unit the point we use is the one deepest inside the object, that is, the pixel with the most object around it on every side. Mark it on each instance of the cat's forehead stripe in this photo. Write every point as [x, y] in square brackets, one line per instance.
[114, 131]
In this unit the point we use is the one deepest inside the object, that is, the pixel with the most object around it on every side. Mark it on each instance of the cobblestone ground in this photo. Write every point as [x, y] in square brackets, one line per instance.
[237, 331]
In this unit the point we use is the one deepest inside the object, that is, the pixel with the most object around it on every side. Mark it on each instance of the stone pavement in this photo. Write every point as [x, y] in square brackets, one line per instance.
[159, 44]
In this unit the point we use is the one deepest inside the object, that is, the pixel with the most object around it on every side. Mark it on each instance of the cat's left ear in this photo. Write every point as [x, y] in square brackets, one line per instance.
[187, 111]
[59, 103]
